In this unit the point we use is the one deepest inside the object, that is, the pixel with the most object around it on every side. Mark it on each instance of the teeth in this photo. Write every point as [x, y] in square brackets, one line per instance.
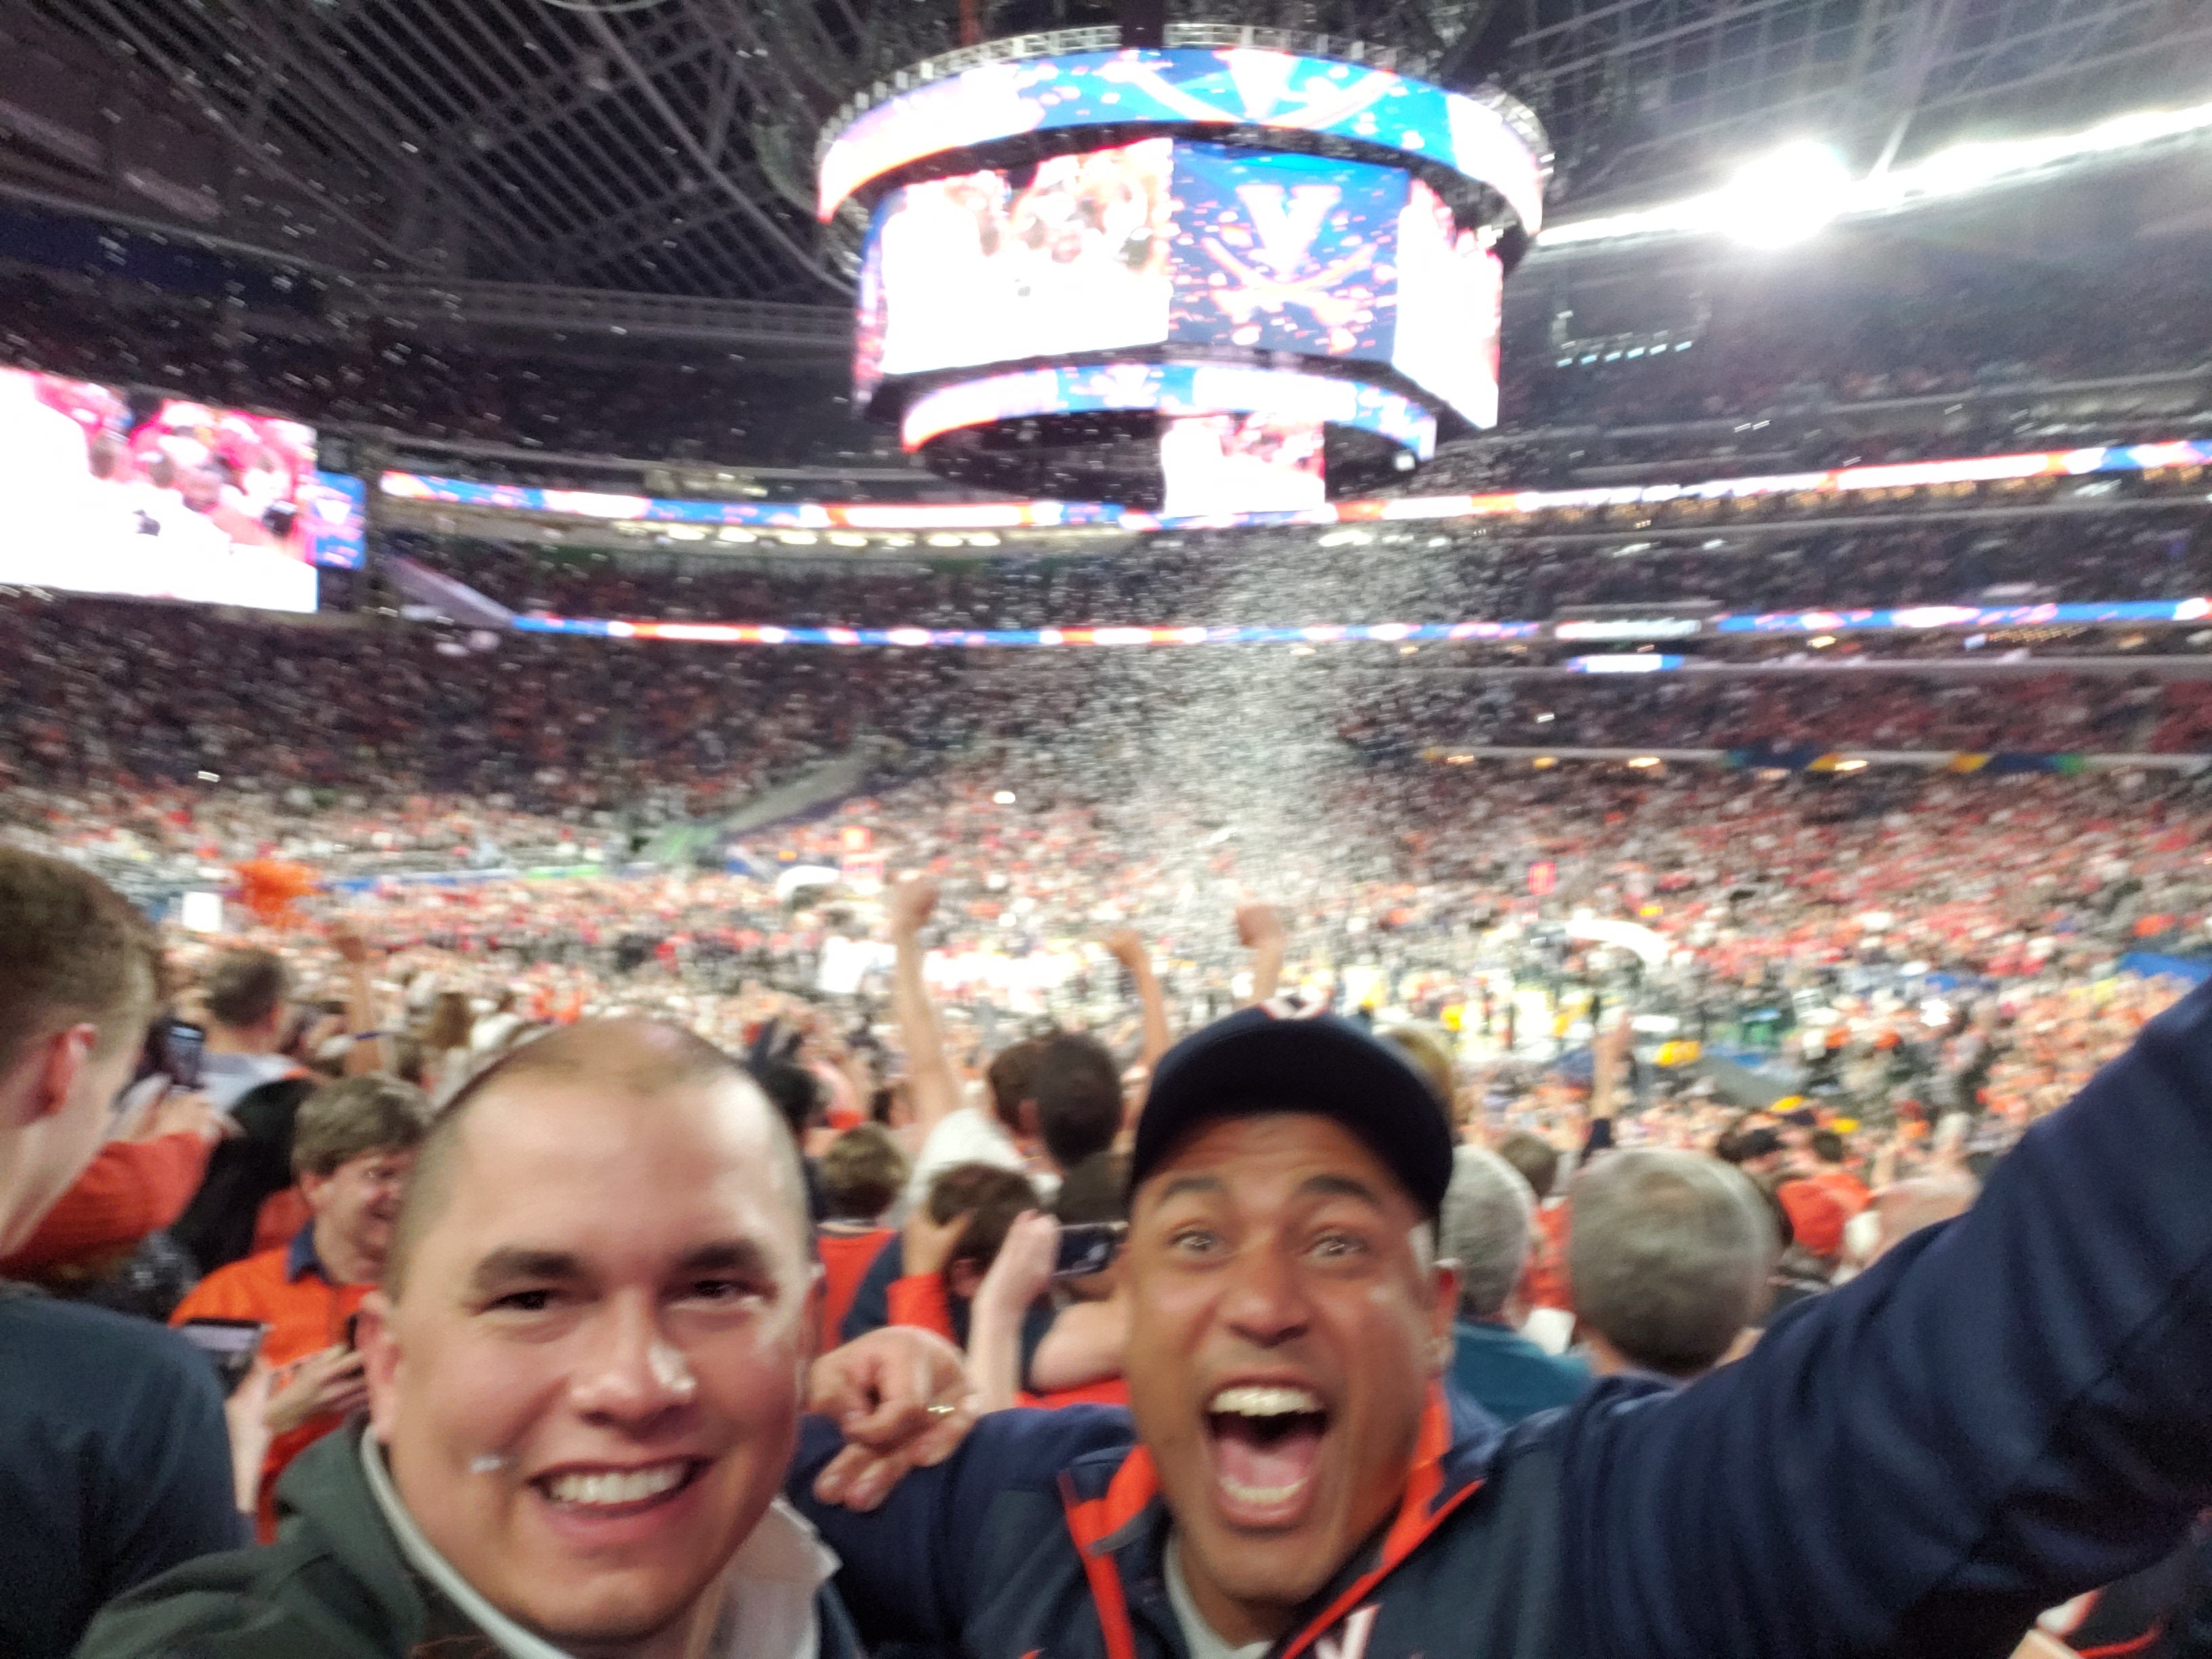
[1254, 1400]
[632, 1487]
[1240, 1493]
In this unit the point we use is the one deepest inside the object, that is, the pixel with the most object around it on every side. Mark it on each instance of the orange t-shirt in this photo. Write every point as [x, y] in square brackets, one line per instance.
[1846, 1188]
[919, 1300]
[846, 1259]
[284, 1289]
[133, 1188]
[1548, 1258]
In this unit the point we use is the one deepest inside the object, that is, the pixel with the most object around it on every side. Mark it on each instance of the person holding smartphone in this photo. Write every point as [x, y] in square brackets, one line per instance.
[353, 1149]
[138, 1183]
[113, 1461]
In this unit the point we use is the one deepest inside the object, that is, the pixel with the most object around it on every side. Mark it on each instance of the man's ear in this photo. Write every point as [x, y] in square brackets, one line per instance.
[1443, 1307]
[813, 1340]
[57, 1066]
[380, 1355]
[1026, 1113]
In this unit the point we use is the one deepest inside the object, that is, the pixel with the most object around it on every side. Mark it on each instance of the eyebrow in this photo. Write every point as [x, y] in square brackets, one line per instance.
[513, 1262]
[507, 1265]
[1207, 1185]
[1320, 1186]
[1340, 1185]
[731, 1255]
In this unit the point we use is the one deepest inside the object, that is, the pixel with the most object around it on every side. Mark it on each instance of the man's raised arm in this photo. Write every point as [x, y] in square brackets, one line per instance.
[2006, 1410]
[936, 1089]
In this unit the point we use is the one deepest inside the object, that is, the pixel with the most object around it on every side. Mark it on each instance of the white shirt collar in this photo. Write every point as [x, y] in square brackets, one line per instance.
[768, 1613]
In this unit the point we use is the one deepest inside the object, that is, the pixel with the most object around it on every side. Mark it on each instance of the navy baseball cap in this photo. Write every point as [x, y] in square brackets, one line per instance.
[1268, 1060]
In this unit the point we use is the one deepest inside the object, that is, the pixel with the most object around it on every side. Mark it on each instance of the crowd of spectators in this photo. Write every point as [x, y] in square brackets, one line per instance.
[1860, 1002]
[1379, 576]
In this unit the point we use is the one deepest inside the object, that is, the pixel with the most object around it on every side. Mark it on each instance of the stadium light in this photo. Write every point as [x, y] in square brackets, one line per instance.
[1785, 195]
[1953, 171]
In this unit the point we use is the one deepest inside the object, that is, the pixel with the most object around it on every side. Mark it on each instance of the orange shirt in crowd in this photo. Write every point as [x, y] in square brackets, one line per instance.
[1548, 1258]
[919, 1300]
[846, 1259]
[282, 1216]
[133, 1188]
[286, 1290]
[1846, 1188]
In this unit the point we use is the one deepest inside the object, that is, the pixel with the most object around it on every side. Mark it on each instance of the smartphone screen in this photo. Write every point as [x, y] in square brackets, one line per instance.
[232, 1344]
[183, 1051]
[1088, 1247]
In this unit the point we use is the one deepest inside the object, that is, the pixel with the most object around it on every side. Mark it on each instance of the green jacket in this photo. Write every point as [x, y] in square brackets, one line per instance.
[334, 1585]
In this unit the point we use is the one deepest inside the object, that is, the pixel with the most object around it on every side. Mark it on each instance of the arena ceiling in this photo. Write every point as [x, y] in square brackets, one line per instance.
[664, 147]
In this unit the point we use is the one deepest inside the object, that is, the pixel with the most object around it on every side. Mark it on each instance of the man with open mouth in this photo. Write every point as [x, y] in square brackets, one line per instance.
[2009, 1409]
[585, 1370]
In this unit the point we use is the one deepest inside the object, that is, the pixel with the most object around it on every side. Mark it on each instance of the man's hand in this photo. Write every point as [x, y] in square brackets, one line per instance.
[323, 1384]
[927, 1245]
[1259, 925]
[246, 1414]
[901, 1396]
[1022, 1271]
[913, 901]
[1126, 947]
[349, 942]
[181, 1113]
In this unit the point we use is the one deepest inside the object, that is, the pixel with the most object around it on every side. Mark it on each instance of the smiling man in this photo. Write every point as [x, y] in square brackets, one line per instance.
[585, 1373]
[2003, 1412]
[352, 1148]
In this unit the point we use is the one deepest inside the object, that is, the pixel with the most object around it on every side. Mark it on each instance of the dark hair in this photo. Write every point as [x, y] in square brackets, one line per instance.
[247, 987]
[862, 1171]
[1008, 1074]
[991, 1197]
[452, 1019]
[1534, 1156]
[794, 1092]
[76, 951]
[1078, 1089]
[1097, 1190]
[350, 1119]
[1828, 1146]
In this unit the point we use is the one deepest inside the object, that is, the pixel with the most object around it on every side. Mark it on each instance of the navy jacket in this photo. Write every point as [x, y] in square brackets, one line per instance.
[2006, 1411]
[115, 1465]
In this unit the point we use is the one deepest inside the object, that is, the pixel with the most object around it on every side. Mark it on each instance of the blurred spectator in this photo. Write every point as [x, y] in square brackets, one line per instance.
[862, 1173]
[114, 1459]
[1488, 1224]
[353, 1151]
[1669, 1261]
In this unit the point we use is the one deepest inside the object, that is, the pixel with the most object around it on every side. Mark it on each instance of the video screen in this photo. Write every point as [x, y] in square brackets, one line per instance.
[1172, 389]
[1220, 465]
[1191, 87]
[101, 493]
[1068, 256]
[870, 313]
[1450, 289]
[1207, 246]
[336, 508]
[1285, 252]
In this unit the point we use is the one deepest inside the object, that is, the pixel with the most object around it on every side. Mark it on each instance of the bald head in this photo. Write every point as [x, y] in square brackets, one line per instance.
[630, 1065]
